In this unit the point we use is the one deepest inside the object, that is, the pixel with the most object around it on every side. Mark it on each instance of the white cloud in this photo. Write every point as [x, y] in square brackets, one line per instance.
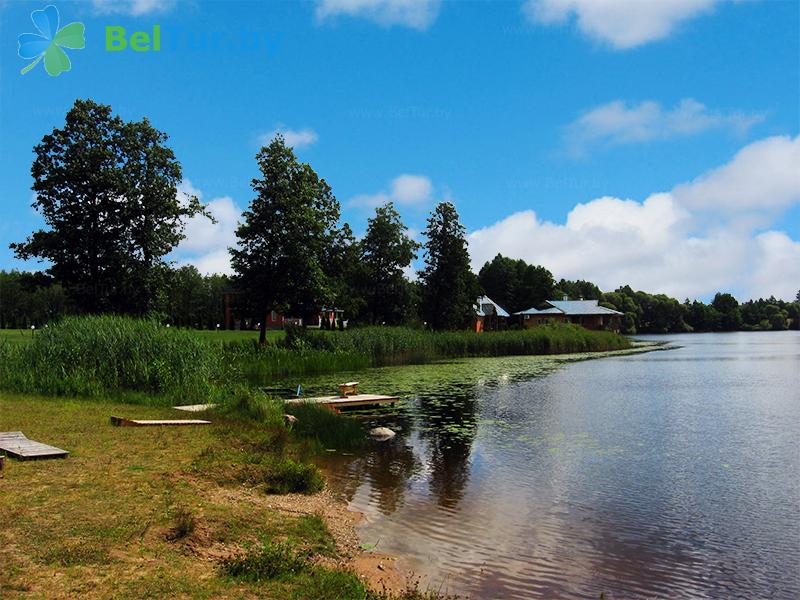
[132, 7]
[405, 190]
[763, 175]
[662, 244]
[416, 14]
[622, 24]
[618, 123]
[206, 243]
[296, 138]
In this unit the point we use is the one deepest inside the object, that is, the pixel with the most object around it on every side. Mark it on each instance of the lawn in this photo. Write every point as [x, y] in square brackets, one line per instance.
[16, 335]
[236, 336]
[103, 522]
[25, 335]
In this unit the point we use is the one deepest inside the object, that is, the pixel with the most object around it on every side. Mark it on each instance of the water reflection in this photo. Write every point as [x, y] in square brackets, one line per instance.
[671, 474]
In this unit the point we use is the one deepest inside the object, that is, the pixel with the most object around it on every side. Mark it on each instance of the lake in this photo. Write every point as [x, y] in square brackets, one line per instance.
[671, 474]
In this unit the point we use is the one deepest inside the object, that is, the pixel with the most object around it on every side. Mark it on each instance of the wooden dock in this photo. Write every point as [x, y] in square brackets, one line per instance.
[339, 402]
[16, 445]
[123, 422]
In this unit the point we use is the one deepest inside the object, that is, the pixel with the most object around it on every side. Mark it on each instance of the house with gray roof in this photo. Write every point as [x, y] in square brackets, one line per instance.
[587, 313]
[489, 315]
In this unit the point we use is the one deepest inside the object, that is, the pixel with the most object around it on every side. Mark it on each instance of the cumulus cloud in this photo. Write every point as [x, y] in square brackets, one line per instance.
[404, 190]
[763, 175]
[622, 24]
[415, 14]
[132, 7]
[661, 244]
[619, 123]
[206, 243]
[296, 138]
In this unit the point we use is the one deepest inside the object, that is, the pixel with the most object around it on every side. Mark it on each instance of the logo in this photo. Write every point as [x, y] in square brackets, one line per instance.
[50, 42]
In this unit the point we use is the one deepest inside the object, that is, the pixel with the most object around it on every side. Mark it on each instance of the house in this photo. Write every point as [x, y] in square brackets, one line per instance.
[489, 315]
[587, 313]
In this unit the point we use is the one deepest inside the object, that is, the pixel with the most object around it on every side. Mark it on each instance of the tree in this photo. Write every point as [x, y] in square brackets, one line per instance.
[107, 190]
[449, 286]
[728, 307]
[514, 284]
[499, 280]
[387, 250]
[288, 230]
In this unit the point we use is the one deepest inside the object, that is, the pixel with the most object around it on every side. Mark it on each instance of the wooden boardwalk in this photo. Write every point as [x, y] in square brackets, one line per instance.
[15, 444]
[337, 402]
[123, 422]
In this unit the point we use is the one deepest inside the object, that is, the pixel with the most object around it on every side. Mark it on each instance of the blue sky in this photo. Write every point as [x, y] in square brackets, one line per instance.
[650, 143]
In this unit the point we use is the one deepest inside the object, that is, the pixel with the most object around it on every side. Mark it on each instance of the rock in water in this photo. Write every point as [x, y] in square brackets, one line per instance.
[381, 433]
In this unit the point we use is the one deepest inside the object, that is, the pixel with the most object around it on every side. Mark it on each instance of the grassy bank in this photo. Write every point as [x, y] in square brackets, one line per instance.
[141, 513]
[314, 352]
[144, 361]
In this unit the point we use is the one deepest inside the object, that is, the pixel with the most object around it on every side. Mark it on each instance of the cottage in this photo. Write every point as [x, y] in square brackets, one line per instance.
[489, 315]
[587, 313]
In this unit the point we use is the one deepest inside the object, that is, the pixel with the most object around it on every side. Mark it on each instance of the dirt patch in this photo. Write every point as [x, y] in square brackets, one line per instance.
[379, 571]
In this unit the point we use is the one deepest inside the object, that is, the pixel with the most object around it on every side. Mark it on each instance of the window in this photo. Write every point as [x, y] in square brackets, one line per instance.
[274, 316]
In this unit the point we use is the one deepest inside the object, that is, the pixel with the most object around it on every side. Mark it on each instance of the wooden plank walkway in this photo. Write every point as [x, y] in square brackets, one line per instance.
[123, 422]
[350, 401]
[15, 444]
[195, 407]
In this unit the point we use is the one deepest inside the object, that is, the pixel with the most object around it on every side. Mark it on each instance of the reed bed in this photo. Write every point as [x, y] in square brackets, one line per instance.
[397, 345]
[92, 356]
[100, 355]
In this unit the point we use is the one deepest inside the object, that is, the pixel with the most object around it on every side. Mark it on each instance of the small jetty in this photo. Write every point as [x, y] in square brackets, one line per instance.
[16, 445]
[348, 398]
[123, 422]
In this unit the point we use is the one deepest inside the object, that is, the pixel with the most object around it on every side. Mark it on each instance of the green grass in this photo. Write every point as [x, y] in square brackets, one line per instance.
[227, 336]
[92, 356]
[127, 514]
[16, 335]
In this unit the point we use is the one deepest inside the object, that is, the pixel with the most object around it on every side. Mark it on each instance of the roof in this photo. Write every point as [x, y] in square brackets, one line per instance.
[536, 311]
[572, 307]
[486, 306]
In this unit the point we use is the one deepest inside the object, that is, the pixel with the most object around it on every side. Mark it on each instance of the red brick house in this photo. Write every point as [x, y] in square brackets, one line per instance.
[587, 313]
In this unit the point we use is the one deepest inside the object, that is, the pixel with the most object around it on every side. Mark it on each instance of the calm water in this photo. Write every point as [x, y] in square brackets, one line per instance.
[672, 474]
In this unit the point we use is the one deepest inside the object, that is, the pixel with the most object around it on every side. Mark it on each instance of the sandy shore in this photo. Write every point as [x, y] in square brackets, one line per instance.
[378, 570]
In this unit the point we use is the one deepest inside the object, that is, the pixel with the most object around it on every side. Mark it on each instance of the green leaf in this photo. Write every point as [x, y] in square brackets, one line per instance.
[71, 36]
[56, 61]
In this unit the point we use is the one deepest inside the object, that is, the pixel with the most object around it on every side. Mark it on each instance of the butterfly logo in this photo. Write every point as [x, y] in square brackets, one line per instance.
[50, 42]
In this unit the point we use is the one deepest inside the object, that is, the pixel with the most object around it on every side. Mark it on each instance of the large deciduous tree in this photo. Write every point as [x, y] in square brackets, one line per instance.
[107, 190]
[449, 288]
[387, 250]
[514, 284]
[288, 233]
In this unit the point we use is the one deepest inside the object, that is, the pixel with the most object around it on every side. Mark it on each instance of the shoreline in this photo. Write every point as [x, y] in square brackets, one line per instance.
[379, 570]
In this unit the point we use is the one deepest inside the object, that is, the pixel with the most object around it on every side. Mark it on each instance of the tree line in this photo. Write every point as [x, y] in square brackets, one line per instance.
[107, 191]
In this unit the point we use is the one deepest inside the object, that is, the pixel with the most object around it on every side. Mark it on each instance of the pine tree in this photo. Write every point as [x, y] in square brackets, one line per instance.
[449, 288]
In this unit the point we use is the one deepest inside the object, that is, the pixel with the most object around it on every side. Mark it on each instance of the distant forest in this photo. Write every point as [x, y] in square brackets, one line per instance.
[190, 299]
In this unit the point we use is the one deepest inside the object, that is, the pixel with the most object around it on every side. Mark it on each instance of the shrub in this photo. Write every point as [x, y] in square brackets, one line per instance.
[285, 476]
[270, 560]
[327, 428]
[184, 524]
[245, 402]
